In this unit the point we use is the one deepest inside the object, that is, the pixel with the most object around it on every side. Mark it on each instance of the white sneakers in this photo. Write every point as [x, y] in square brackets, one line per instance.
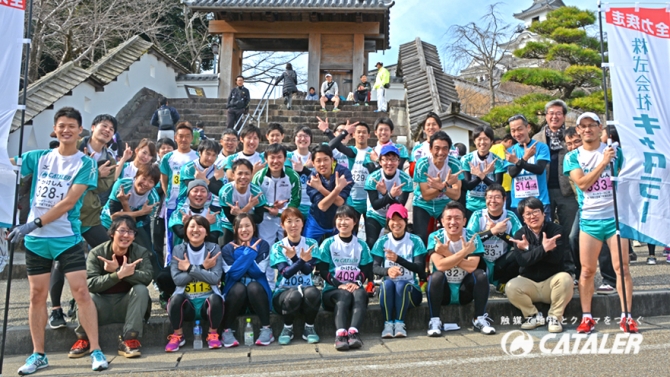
[483, 324]
[553, 324]
[435, 327]
[533, 322]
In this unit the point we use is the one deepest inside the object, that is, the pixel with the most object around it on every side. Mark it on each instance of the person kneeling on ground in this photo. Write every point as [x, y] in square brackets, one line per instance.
[456, 253]
[245, 261]
[400, 258]
[118, 272]
[196, 270]
[295, 291]
[540, 249]
[345, 263]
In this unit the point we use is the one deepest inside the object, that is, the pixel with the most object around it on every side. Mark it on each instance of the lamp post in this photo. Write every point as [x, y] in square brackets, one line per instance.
[215, 51]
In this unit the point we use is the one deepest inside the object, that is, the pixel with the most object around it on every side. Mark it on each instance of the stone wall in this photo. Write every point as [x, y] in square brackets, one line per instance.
[135, 116]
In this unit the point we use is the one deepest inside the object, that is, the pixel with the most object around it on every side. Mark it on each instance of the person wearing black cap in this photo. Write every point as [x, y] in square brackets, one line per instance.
[382, 83]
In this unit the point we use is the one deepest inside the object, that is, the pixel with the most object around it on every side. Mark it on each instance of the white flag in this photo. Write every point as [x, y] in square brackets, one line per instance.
[639, 47]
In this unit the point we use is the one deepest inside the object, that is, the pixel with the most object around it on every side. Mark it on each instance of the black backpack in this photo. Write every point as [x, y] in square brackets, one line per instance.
[165, 119]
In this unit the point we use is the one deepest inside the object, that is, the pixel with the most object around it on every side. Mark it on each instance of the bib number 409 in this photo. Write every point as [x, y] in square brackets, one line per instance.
[347, 273]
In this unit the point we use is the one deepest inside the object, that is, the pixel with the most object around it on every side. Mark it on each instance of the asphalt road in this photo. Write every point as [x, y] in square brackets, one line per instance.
[461, 353]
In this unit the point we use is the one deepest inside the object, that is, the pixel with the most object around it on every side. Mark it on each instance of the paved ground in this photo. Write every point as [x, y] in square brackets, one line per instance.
[456, 353]
[645, 277]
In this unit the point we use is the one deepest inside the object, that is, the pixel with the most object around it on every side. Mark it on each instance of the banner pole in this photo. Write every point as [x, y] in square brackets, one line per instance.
[26, 69]
[614, 194]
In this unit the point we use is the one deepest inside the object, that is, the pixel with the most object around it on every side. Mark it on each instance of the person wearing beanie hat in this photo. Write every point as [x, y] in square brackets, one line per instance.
[399, 257]
[384, 187]
[590, 168]
[198, 201]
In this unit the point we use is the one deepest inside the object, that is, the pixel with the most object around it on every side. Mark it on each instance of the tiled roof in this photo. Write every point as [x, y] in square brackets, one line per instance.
[539, 5]
[428, 87]
[293, 5]
[49, 89]
[53, 86]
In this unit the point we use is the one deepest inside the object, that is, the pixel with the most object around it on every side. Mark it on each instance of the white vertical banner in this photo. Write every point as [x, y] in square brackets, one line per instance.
[639, 51]
[11, 19]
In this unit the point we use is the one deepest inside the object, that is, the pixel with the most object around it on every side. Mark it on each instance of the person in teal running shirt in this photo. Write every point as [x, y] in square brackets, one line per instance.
[495, 227]
[400, 258]
[481, 169]
[61, 177]
[294, 291]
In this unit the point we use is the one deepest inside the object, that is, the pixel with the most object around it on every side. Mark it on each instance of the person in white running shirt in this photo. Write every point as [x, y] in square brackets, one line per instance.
[589, 167]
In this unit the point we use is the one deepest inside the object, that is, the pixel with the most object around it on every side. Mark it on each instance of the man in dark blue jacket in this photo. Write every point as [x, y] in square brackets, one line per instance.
[328, 188]
[238, 102]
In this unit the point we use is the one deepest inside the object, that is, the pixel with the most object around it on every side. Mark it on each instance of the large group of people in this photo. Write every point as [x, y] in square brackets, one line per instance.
[223, 230]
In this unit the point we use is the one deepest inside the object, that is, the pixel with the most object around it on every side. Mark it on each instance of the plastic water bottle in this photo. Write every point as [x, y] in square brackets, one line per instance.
[248, 334]
[197, 336]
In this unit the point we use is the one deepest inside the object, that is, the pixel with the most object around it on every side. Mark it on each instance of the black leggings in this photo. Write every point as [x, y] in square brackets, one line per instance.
[95, 236]
[372, 231]
[475, 286]
[290, 302]
[181, 309]
[241, 297]
[159, 240]
[506, 268]
[165, 283]
[420, 220]
[343, 302]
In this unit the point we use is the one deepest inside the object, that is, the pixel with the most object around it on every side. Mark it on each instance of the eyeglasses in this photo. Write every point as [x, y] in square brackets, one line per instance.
[534, 213]
[517, 117]
[557, 113]
[126, 232]
[390, 159]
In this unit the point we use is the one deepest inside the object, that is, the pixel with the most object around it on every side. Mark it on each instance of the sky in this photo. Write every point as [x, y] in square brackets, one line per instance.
[430, 20]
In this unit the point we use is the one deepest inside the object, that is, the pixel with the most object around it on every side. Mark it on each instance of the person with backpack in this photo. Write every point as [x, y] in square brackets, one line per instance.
[165, 118]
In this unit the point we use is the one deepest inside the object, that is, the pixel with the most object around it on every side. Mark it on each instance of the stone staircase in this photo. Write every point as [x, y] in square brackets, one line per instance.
[213, 112]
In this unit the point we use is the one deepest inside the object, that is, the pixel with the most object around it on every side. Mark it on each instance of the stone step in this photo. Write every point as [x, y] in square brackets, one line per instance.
[646, 303]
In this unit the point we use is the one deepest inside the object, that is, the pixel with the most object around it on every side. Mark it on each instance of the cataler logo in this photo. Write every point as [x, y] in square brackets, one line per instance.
[520, 343]
[517, 343]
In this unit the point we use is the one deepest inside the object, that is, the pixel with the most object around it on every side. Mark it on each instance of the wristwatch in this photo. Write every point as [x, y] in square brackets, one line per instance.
[38, 222]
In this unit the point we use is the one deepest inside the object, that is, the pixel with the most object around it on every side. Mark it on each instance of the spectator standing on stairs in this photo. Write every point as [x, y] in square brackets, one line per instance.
[382, 82]
[330, 92]
[238, 102]
[165, 118]
[290, 79]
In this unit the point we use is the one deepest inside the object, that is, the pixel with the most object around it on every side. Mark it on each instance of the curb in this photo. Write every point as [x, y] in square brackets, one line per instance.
[645, 304]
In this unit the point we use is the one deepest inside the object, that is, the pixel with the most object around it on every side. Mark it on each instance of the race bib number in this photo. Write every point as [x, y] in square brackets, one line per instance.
[479, 191]
[174, 190]
[493, 250]
[455, 275]
[347, 273]
[405, 274]
[526, 186]
[197, 288]
[49, 191]
[298, 280]
[359, 176]
[601, 189]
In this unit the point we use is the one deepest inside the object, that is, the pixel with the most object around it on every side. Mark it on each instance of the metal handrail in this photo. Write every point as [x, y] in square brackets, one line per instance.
[258, 111]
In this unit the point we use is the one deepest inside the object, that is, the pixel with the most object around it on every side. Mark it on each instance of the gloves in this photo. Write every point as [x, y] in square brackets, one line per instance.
[21, 231]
